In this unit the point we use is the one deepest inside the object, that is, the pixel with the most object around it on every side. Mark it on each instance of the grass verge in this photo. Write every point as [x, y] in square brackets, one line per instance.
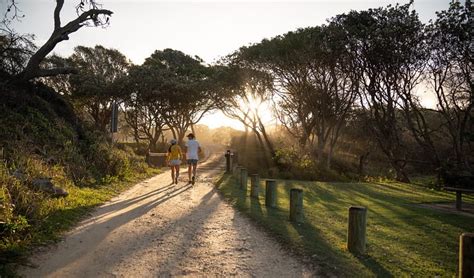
[62, 215]
[403, 239]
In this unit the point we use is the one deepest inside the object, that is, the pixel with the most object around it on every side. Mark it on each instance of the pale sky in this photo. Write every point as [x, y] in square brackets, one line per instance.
[204, 28]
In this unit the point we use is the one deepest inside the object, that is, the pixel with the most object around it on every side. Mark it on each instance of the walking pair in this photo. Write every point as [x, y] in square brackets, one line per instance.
[174, 157]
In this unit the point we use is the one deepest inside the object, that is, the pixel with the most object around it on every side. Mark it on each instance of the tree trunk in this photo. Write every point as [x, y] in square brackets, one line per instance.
[59, 34]
[401, 175]
[152, 145]
[362, 162]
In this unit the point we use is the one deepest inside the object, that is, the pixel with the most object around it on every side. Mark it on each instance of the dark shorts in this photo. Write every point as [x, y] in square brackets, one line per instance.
[192, 161]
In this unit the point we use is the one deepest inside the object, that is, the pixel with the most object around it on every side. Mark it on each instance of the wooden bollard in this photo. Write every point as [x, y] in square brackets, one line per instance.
[254, 185]
[270, 193]
[356, 238]
[228, 162]
[466, 255]
[237, 172]
[296, 205]
[243, 178]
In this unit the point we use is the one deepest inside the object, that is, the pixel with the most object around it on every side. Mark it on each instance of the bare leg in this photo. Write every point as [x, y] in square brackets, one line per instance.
[189, 171]
[194, 169]
[177, 172]
[172, 173]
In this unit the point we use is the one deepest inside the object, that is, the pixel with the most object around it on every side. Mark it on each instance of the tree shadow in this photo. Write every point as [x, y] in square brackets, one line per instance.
[104, 225]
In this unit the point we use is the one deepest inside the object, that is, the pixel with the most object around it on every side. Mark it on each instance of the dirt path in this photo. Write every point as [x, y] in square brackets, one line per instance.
[158, 229]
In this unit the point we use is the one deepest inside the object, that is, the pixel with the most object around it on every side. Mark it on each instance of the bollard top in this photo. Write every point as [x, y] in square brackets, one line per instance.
[296, 189]
[357, 208]
[254, 175]
[243, 169]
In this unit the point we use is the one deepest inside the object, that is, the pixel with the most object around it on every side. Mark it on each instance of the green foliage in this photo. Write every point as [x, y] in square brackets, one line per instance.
[99, 81]
[403, 238]
[42, 139]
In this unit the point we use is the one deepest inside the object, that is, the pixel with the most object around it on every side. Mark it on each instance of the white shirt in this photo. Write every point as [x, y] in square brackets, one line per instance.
[192, 149]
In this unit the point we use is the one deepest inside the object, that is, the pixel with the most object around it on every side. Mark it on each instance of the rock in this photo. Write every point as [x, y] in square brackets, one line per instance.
[19, 175]
[43, 185]
[59, 192]
[46, 185]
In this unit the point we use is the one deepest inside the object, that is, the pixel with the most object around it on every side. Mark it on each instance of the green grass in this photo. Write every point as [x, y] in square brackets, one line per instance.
[64, 213]
[61, 214]
[402, 238]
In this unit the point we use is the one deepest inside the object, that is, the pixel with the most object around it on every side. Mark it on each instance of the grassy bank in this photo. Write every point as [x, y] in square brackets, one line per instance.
[57, 215]
[45, 146]
[403, 238]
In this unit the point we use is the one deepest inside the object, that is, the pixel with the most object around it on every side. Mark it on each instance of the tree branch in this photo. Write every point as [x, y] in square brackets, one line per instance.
[58, 35]
[57, 11]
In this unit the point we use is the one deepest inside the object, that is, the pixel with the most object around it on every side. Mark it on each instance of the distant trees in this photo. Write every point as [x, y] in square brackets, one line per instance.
[370, 66]
[171, 90]
[98, 81]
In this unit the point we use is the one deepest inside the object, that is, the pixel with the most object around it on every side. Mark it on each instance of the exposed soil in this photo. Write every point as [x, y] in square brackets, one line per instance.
[467, 208]
[160, 229]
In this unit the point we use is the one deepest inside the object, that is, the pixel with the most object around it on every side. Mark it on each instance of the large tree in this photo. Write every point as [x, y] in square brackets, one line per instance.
[384, 45]
[246, 91]
[99, 79]
[450, 73]
[170, 90]
[314, 93]
[89, 12]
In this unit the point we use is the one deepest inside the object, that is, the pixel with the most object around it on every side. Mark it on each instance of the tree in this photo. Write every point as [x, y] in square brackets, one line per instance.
[98, 82]
[89, 13]
[170, 90]
[385, 65]
[247, 90]
[450, 75]
[15, 50]
[187, 85]
[314, 93]
[145, 106]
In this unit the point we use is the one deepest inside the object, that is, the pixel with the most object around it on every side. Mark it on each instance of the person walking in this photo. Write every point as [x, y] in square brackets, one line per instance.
[192, 156]
[174, 157]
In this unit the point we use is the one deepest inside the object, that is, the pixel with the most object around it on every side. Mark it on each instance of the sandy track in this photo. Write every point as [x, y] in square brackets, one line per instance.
[157, 229]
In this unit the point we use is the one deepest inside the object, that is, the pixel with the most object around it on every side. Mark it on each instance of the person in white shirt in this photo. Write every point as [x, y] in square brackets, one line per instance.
[192, 156]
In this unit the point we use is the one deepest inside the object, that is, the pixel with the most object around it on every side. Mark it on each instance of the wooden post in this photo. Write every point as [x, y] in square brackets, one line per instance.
[235, 158]
[356, 238]
[458, 200]
[296, 205]
[254, 185]
[270, 193]
[243, 179]
[237, 172]
[466, 255]
[228, 162]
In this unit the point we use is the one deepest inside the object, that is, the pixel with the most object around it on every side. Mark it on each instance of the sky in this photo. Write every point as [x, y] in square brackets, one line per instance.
[207, 29]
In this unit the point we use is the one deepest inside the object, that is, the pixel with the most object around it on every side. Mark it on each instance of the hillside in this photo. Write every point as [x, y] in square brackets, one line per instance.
[54, 167]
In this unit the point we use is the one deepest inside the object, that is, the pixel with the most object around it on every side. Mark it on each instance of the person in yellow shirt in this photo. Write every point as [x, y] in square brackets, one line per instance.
[174, 157]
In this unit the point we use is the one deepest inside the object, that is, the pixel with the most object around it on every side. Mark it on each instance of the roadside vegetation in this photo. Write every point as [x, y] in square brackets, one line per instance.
[47, 152]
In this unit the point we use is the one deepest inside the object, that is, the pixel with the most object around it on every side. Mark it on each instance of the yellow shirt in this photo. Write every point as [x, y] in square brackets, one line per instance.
[174, 153]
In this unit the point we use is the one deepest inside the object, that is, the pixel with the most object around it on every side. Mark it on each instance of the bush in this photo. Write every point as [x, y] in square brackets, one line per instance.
[42, 138]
